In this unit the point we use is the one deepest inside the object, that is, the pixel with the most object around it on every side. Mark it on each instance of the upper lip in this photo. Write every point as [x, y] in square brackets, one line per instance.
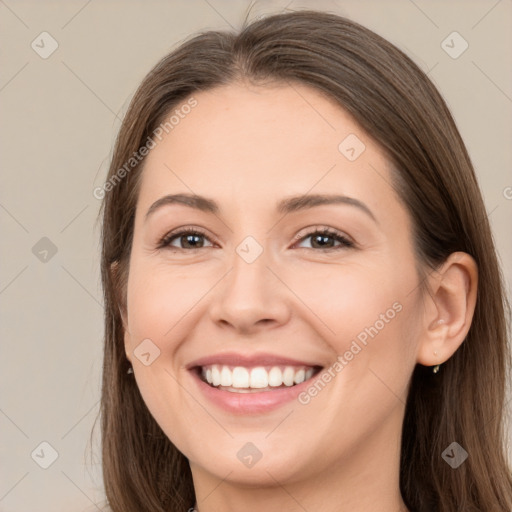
[260, 359]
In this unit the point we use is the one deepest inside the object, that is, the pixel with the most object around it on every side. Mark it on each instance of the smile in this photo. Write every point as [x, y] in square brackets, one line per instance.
[248, 384]
[241, 379]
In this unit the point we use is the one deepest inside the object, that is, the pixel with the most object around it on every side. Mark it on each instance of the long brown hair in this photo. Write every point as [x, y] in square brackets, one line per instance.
[397, 105]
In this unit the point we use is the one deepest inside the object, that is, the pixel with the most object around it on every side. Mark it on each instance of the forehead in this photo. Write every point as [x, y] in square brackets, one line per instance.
[246, 145]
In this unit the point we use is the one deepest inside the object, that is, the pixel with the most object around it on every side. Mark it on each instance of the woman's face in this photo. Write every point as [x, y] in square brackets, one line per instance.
[259, 298]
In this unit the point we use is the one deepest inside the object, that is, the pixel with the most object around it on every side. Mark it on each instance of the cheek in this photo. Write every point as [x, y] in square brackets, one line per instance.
[160, 298]
[160, 304]
[346, 300]
[371, 319]
[368, 317]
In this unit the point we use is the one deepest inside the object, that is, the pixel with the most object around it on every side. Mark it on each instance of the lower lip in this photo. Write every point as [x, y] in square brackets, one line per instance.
[253, 402]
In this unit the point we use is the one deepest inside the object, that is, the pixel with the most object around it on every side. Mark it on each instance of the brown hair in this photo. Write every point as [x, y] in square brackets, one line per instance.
[399, 107]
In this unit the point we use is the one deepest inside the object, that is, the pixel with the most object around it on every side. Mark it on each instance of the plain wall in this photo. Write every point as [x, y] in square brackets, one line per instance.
[59, 119]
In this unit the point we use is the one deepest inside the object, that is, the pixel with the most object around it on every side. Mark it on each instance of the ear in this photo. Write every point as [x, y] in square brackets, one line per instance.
[116, 280]
[449, 308]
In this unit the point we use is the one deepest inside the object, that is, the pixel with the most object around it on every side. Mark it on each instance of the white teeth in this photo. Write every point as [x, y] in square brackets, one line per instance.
[300, 376]
[215, 376]
[226, 377]
[288, 376]
[240, 377]
[275, 377]
[258, 377]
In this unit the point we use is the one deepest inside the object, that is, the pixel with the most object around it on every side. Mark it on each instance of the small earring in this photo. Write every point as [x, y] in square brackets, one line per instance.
[436, 367]
[130, 370]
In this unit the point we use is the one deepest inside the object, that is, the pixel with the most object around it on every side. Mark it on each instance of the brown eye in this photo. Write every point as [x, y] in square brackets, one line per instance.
[187, 238]
[321, 239]
[324, 239]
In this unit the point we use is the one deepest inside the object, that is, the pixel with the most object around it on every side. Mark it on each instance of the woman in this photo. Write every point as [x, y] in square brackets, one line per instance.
[304, 309]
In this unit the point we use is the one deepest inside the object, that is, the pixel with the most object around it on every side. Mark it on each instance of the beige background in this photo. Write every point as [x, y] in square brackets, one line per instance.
[59, 119]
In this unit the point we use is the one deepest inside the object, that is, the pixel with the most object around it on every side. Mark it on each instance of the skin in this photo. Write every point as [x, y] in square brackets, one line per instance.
[247, 147]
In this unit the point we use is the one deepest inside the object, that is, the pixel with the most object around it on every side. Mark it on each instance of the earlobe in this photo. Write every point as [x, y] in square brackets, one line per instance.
[449, 310]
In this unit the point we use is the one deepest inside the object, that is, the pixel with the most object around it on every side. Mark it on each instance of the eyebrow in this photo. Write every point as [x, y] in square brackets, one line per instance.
[285, 206]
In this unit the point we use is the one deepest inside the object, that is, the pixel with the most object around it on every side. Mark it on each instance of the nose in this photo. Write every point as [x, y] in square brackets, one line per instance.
[250, 297]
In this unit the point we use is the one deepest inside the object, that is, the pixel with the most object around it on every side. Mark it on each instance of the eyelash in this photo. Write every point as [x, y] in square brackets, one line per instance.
[325, 231]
